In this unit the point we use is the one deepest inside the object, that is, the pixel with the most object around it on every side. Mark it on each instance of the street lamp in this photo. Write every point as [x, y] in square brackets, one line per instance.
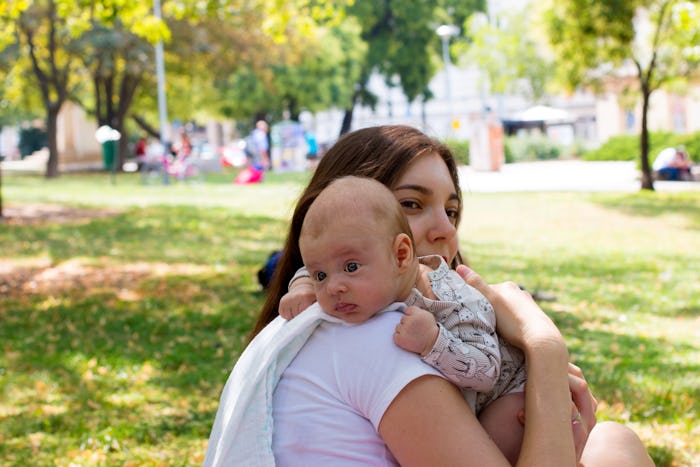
[446, 32]
[160, 76]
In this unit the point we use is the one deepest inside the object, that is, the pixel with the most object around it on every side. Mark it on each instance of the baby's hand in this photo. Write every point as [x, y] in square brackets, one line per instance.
[417, 331]
[300, 296]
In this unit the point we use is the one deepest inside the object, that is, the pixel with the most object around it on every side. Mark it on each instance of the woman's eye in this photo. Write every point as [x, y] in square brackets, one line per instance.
[453, 214]
[320, 276]
[410, 204]
[352, 267]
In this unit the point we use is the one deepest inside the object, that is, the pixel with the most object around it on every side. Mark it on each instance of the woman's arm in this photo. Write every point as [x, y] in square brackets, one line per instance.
[429, 423]
[548, 433]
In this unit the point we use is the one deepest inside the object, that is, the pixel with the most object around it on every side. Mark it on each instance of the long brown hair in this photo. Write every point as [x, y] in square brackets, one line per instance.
[383, 153]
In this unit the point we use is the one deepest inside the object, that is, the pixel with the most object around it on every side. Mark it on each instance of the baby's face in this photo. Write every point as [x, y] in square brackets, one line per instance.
[355, 273]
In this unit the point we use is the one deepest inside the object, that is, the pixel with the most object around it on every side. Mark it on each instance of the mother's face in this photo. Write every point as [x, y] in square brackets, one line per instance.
[429, 199]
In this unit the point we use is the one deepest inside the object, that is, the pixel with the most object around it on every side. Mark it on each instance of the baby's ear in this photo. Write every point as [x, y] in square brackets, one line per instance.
[403, 249]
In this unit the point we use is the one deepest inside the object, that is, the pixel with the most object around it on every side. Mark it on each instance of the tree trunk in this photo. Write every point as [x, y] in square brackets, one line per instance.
[2, 216]
[647, 179]
[51, 134]
[347, 118]
[145, 126]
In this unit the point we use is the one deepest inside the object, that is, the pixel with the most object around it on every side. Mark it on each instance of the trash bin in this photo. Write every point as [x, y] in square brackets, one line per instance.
[108, 152]
[108, 138]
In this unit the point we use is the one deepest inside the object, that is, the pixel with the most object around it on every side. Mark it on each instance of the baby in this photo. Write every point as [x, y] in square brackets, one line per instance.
[357, 247]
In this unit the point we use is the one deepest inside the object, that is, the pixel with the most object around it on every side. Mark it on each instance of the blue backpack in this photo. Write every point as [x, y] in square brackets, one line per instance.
[265, 273]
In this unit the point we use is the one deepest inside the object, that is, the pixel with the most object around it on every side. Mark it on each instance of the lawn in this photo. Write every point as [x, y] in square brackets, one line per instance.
[122, 312]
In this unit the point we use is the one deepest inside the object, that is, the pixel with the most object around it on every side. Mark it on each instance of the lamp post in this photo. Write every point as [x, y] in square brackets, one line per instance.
[160, 76]
[446, 32]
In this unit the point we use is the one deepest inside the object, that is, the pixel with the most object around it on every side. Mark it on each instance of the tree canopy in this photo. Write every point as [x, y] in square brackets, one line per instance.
[602, 42]
[509, 54]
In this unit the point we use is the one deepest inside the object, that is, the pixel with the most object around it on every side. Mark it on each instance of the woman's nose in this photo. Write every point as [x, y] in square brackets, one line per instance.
[442, 228]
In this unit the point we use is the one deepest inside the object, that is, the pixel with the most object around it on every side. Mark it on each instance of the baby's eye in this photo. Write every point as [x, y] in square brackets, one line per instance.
[352, 267]
[320, 276]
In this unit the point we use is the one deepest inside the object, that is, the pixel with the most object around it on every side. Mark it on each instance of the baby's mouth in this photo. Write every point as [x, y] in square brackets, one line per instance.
[344, 307]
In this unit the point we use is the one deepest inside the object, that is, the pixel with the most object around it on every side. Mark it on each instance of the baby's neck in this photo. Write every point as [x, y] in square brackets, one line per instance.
[415, 279]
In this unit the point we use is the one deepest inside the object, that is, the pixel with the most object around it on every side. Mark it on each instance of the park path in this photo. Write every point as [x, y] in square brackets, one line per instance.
[563, 175]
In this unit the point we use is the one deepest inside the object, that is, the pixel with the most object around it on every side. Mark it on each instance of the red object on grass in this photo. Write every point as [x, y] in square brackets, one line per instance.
[249, 175]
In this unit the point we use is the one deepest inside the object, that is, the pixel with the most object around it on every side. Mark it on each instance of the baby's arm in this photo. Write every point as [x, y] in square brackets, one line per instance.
[299, 297]
[466, 349]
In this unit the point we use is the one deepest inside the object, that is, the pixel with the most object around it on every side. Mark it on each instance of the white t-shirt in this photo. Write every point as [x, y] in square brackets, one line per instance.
[664, 159]
[331, 398]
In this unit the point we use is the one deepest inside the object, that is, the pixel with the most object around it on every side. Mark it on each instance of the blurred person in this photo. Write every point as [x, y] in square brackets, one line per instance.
[672, 164]
[257, 147]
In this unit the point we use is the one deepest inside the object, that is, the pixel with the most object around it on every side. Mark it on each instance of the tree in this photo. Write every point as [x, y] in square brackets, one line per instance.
[61, 39]
[402, 43]
[67, 41]
[117, 52]
[116, 60]
[597, 41]
[44, 38]
[509, 55]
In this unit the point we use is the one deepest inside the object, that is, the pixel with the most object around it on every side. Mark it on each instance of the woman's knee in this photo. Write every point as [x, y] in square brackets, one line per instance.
[615, 445]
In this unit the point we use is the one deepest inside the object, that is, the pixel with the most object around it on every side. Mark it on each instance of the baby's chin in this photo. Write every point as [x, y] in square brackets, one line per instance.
[350, 314]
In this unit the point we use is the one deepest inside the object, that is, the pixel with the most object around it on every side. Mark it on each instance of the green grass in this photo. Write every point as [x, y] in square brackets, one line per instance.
[118, 332]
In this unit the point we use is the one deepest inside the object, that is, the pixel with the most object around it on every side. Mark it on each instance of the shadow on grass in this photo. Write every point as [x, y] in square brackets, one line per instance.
[164, 233]
[94, 367]
[626, 283]
[654, 204]
[113, 367]
[643, 373]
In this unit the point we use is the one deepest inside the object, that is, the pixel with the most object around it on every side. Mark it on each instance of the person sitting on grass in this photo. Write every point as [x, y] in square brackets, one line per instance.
[360, 268]
[349, 407]
[673, 164]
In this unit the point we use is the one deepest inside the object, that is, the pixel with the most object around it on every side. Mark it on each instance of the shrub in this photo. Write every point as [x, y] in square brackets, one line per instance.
[626, 147]
[531, 148]
[692, 145]
[460, 149]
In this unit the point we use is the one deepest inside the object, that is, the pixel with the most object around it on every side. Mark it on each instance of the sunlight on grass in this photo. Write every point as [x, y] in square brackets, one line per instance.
[118, 330]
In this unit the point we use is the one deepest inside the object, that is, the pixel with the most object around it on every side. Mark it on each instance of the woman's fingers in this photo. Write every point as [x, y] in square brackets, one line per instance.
[473, 279]
[584, 401]
[580, 431]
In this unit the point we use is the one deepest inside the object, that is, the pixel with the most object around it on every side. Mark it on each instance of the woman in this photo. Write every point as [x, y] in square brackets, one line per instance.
[421, 419]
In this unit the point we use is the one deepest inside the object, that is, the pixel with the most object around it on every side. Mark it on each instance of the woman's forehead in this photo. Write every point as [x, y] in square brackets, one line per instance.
[428, 170]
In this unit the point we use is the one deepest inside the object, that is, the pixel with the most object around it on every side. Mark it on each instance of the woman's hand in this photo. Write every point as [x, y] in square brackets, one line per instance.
[519, 320]
[523, 323]
[584, 408]
[301, 295]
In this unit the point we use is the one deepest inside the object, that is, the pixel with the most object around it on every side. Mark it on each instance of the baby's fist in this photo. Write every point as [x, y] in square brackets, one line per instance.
[417, 331]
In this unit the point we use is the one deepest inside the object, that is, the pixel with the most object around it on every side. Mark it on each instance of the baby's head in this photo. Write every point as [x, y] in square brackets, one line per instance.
[357, 246]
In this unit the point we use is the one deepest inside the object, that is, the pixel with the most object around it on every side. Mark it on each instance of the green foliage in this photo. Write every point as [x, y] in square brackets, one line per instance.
[593, 40]
[510, 57]
[531, 148]
[626, 147]
[119, 326]
[460, 149]
[402, 42]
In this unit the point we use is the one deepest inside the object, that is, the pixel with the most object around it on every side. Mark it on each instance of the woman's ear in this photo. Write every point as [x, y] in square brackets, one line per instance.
[403, 249]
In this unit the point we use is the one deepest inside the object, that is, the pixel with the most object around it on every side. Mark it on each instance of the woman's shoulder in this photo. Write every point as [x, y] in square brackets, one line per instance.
[376, 331]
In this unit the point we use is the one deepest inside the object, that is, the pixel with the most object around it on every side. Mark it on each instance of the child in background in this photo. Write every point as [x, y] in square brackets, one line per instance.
[358, 250]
